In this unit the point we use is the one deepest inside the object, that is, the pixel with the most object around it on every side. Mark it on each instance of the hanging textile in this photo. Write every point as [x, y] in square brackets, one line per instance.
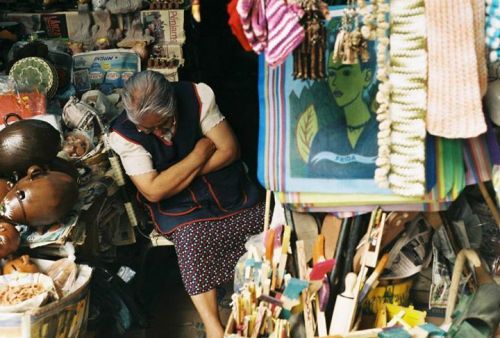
[457, 73]
[408, 94]
[272, 27]
[306, 151]
[234, 22]
[319, 136]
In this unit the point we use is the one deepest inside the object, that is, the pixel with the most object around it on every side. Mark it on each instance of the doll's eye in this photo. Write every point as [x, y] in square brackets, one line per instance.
[20, 194]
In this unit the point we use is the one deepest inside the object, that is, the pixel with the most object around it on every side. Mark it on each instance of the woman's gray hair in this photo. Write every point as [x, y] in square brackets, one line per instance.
[148, 92]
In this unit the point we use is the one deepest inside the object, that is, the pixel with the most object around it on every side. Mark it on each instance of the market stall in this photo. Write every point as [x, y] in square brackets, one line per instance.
[378, 150]
[374, 140]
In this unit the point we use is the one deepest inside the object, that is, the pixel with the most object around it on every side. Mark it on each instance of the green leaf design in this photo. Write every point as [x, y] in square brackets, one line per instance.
[307, 127]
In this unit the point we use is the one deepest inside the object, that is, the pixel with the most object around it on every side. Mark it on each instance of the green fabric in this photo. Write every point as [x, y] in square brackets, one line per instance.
[459, 169]
[448, 152]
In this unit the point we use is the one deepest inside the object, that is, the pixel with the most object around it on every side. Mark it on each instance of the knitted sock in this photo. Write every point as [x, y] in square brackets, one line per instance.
[454, 95]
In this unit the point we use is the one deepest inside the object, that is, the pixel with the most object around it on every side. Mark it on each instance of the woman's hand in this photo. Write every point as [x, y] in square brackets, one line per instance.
[156, 186]
[204, 148]
[227, 149]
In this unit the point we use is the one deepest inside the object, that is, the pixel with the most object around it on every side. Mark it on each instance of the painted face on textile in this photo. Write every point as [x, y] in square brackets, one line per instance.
[156, 124]
[347, 82]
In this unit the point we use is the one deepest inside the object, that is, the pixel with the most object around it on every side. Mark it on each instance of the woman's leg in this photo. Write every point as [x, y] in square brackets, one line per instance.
[206, 305]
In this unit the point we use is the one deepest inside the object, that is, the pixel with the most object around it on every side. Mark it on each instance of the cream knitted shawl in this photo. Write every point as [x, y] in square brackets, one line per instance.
[457, 73]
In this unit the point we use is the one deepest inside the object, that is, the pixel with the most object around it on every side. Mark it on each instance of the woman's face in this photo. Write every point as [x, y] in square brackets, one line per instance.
[347, 82]
[154, 123]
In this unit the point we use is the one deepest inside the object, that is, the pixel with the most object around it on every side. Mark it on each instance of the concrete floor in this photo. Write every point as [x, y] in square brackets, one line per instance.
[167, 306]
[173, 315]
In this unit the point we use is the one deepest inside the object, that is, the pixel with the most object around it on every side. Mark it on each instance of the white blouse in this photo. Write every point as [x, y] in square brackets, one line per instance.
[136, 160]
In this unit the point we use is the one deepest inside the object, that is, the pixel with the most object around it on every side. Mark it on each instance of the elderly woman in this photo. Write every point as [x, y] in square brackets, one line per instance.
[182, 156]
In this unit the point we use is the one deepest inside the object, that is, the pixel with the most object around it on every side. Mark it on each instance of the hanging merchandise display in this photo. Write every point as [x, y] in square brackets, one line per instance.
[350, 44]
[254, 24]
[320, 158]
[319, 136]
[375, 27]
[457, 73]
[315, 139]
[309, 56]
[454, 164]
[407, 77]
[272, 27]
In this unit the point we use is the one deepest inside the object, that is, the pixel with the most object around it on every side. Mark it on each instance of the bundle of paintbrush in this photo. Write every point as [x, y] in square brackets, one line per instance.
[267, 293]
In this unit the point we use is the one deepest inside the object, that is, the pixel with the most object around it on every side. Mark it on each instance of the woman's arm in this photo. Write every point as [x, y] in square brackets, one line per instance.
[157, 186]
[226, 148]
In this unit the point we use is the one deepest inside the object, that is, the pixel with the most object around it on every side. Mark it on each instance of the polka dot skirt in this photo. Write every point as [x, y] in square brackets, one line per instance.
[208, 251]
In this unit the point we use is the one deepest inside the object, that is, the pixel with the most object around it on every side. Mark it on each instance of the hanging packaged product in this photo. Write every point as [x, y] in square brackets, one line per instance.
[104, 70]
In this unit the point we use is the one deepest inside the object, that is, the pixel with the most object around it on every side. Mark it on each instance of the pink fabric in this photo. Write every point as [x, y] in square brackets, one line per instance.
[236, 27]
[285, 32]
[273, 27]
[253, 22]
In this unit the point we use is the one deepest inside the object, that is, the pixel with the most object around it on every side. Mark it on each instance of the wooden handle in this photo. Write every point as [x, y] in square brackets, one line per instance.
[8, 116]
[269, 244]
[34, 171]
[267, 210]
[319, 249]
[473, 258]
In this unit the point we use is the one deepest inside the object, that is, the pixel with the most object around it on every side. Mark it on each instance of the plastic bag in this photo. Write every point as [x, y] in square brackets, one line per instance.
[25, 104]
[64, 271]
[256, 244]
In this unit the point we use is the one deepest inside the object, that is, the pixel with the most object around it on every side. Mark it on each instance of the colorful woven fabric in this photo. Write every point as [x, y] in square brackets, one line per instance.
[292, 115]
[283, 166]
